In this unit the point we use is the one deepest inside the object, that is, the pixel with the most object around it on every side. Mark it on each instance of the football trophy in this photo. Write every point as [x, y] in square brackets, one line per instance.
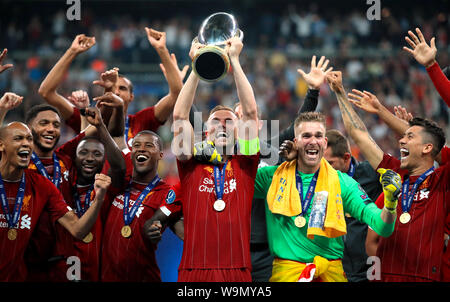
[211, 62]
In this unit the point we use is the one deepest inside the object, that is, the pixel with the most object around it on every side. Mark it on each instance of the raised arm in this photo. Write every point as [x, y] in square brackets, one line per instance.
[165, 106]
[370, 103]
[183, 141]
[48, 87]
[112, 151]
[426, 55]
[80, 227]
[353, 123]
[313, 79]
[116, 121]
[244, 91]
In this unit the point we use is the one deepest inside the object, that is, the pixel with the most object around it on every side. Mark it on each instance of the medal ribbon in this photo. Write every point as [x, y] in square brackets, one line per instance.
[87, 201]
[219, 180]
[56, 168]
[128, 214]
[14, 218]
[352, 168]
[408, 196]
[127, 126]
[309, 194]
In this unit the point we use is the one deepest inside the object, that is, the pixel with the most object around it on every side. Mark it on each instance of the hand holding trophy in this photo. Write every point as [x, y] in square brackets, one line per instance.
[211, 62]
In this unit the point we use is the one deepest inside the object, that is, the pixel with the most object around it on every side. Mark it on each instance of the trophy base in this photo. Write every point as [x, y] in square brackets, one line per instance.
[211, 64]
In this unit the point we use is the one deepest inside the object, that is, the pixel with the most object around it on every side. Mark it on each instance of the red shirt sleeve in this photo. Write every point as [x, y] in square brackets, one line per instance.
[55, 205]
[440, 81]
[389, 162]
[173, 201]
[143, 120]
[74, 121]
[445, 155]
[69, 149]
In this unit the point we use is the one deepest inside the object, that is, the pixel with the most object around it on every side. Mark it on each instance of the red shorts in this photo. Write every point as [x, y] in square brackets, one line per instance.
[215, 275]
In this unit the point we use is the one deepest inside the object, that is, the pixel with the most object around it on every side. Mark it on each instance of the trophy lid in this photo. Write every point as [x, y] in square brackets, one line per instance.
[218, 28]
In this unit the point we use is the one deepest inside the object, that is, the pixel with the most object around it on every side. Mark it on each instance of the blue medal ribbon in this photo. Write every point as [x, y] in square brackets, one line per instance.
[13, 218]
[127, 126]
[309, 194]
[56, 168]
[408, 196]
[128, 214]
[352, 168]
[87, 201]
[219, 180]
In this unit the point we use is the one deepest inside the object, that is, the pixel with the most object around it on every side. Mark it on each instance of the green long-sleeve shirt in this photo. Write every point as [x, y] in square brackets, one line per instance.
[286, 241]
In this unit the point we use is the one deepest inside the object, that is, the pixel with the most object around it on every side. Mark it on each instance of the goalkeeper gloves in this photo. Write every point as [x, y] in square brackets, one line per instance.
[392, 186]
[206, 152]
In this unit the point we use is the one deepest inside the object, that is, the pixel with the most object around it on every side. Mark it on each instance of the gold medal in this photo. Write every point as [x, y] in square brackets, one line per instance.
[88, 238]
[300, 221]
[12, 234]
[126, 231]
[219, 205]
[405, 217]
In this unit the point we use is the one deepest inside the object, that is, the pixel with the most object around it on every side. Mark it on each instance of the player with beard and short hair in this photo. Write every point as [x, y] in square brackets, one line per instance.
[306, 205]
[216, 199]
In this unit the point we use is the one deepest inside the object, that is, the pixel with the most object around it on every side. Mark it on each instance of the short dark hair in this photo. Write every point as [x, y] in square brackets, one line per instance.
[34, 111]
[131, 83]
[434, 132]
[158, 138]
[312, 116]
[338, 143]
[90, 137]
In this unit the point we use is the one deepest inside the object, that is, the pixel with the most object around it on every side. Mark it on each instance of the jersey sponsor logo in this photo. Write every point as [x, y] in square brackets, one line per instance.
[118, 202]
[208, 186]
[420, 195]
[25, 222]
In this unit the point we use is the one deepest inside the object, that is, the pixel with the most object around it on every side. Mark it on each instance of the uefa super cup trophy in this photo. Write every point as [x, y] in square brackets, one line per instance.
[211, 63]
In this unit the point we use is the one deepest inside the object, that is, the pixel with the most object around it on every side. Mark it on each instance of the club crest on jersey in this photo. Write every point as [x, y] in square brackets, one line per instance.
[170, 198]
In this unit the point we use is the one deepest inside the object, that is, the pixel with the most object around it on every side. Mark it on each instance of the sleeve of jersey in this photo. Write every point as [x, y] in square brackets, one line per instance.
[358, 204]
[74, 121]
[440, 81]
[172, 204]
[70, 147]
[144, 120]
[389, 162]
[55, 205]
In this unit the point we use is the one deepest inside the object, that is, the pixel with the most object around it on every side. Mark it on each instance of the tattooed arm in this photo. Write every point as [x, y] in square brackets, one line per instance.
[353, 123]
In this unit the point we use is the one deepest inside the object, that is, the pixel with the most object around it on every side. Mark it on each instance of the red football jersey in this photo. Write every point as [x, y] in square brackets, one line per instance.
[66, 245]
[131, 259]
[42, 240]
[40, 194]
[415, 249]
[217, 240]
